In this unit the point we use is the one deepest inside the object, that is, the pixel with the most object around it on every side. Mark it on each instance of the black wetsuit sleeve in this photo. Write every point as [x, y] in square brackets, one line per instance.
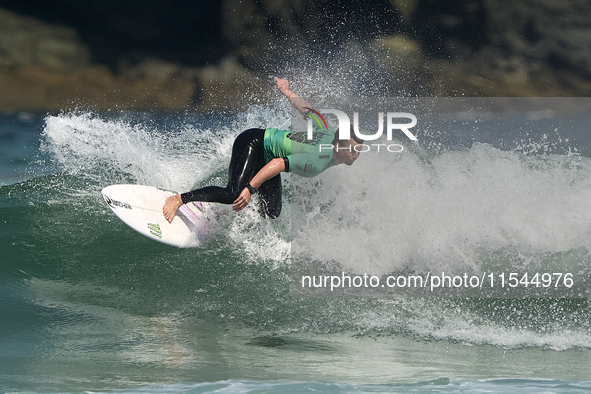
[186, 197]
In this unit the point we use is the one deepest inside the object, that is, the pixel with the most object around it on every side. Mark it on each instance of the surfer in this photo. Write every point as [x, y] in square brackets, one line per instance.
[260, 155]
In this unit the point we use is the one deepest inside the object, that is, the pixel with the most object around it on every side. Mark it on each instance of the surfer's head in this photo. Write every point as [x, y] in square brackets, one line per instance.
[347, 151]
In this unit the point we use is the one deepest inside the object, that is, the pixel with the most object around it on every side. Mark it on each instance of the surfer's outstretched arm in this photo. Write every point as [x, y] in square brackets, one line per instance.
[270, 170]
[296, 101]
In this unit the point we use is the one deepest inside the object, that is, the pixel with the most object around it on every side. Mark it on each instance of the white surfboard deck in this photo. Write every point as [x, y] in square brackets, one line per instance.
[140, 207]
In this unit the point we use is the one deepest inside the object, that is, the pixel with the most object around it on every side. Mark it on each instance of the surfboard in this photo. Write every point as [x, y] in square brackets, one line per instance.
[140, 207]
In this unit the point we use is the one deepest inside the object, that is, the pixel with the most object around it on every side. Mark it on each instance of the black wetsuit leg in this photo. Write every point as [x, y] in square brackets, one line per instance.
[270, 196]
[247, 159]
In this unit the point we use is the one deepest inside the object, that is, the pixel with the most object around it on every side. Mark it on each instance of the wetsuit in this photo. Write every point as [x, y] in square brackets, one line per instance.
[253, 149]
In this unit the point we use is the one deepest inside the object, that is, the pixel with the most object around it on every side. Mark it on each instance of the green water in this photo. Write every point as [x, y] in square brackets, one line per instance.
[89, 305]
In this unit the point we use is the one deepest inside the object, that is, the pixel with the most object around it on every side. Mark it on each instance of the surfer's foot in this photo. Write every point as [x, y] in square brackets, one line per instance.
[171, 205]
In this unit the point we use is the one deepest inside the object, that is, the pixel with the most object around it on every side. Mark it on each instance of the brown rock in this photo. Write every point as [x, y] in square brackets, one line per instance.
[28, 41]
[229, 86]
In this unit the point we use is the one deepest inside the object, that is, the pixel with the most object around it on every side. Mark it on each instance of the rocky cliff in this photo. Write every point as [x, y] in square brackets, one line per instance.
[211, 55]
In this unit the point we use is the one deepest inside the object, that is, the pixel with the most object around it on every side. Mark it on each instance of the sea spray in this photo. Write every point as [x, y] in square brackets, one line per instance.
[448, 198]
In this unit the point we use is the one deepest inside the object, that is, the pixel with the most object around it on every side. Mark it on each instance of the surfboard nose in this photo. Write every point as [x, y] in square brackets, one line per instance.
[140, 207]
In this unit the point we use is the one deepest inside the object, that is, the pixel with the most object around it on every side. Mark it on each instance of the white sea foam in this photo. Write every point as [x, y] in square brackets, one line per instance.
[451, 208]
[437, 211]
[88, 144]
[422, 208]
[193, 154]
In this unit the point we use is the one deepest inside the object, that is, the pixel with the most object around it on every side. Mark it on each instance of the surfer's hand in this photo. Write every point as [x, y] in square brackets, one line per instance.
[242, 200]
[282, 84]
[171, 205]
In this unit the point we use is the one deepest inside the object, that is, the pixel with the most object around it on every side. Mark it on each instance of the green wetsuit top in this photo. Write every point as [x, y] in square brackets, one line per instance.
[304, 156]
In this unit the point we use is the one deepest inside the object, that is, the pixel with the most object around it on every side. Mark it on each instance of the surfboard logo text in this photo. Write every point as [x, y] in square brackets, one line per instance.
[115, 203]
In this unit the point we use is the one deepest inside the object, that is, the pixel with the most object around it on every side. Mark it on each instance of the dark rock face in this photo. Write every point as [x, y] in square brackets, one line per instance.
[207, 55]
[549, 31]
[448, 29]
[28, 41]
[552, 32]
[185, 31]
[267, 34]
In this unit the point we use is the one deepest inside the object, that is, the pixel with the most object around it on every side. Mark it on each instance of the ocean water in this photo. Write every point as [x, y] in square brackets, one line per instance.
[88, 305]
